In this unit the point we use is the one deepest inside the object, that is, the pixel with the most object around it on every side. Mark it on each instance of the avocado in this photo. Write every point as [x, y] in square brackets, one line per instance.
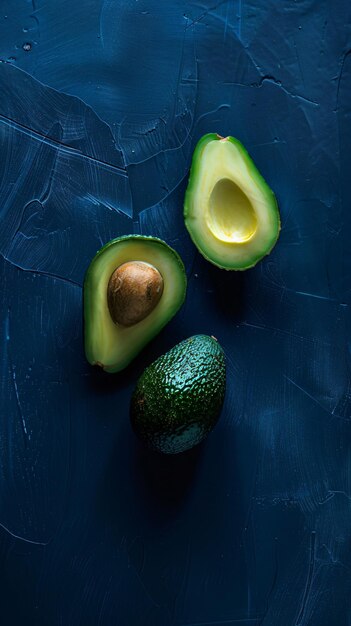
[134, 285]
[230, 212]
[178, 399]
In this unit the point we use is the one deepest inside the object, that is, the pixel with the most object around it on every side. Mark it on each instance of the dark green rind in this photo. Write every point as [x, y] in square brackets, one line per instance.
[88, 297]
[178, 399]
[271, 199]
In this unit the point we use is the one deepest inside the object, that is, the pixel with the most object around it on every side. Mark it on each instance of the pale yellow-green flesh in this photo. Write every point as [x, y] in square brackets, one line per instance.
[230, 214]
[113, 346]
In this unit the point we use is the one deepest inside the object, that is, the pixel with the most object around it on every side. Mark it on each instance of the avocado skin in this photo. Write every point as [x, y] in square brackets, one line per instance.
[178, 399]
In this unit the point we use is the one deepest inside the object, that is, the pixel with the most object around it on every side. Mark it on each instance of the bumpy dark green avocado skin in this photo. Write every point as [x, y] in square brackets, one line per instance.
[178, 398]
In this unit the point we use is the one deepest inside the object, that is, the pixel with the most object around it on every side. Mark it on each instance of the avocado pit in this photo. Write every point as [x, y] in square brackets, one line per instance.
[134, 290]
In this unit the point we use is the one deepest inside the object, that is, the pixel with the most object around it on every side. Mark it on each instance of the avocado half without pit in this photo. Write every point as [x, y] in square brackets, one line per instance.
[133, 287]
[230, 212]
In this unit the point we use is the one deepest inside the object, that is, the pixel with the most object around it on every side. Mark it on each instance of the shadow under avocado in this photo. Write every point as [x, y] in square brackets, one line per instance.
[102, 383]
[145, 489]
[165, 479]
[228, 289]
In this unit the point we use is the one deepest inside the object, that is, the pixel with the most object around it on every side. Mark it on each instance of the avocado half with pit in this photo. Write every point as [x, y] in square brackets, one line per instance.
[134, 285]
[230, 212]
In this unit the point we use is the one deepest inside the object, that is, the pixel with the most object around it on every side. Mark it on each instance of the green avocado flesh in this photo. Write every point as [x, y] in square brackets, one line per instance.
[178, 399]
[113, 346]
[229, 210]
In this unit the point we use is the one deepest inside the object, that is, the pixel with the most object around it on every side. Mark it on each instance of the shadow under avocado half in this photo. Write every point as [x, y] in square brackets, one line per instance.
[227, 288]
[166, 479]
[101, 383]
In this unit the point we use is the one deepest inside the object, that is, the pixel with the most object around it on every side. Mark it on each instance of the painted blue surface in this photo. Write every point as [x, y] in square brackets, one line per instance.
[101, 104]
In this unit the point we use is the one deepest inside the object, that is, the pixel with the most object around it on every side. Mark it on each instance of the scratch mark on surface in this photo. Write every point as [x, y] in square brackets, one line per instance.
[307, 293]
[20, 218]
[274, 81]
[100, 24]
[245, 49]
[328, 497]
[20, 410]
[275, 578]
[175, 102]
[243, 621]
[107, 591]
[41, 272]
[347, 53]
[334, 492]
[144, 587]
[165, 151]
[288, 333]
[37, 543]
[309, 396]
[265, 78]
[314, 295]
[299, 63]
[240, 12]
[185, 578]
[34, 17]
[50, 179]
[251, 501]
[204, 115]
[332, 558]
[7, 325]
[57, 145]
[169, 192]
[190, 129]
[226, 22]
[309, 579]
[209, 10]
[232, 82]
[267, 143]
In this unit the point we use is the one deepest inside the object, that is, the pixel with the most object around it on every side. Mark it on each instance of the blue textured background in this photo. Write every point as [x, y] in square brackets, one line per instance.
[101, 104]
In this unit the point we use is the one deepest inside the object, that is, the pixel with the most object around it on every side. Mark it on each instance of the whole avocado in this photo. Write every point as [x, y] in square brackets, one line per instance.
[178, 399]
